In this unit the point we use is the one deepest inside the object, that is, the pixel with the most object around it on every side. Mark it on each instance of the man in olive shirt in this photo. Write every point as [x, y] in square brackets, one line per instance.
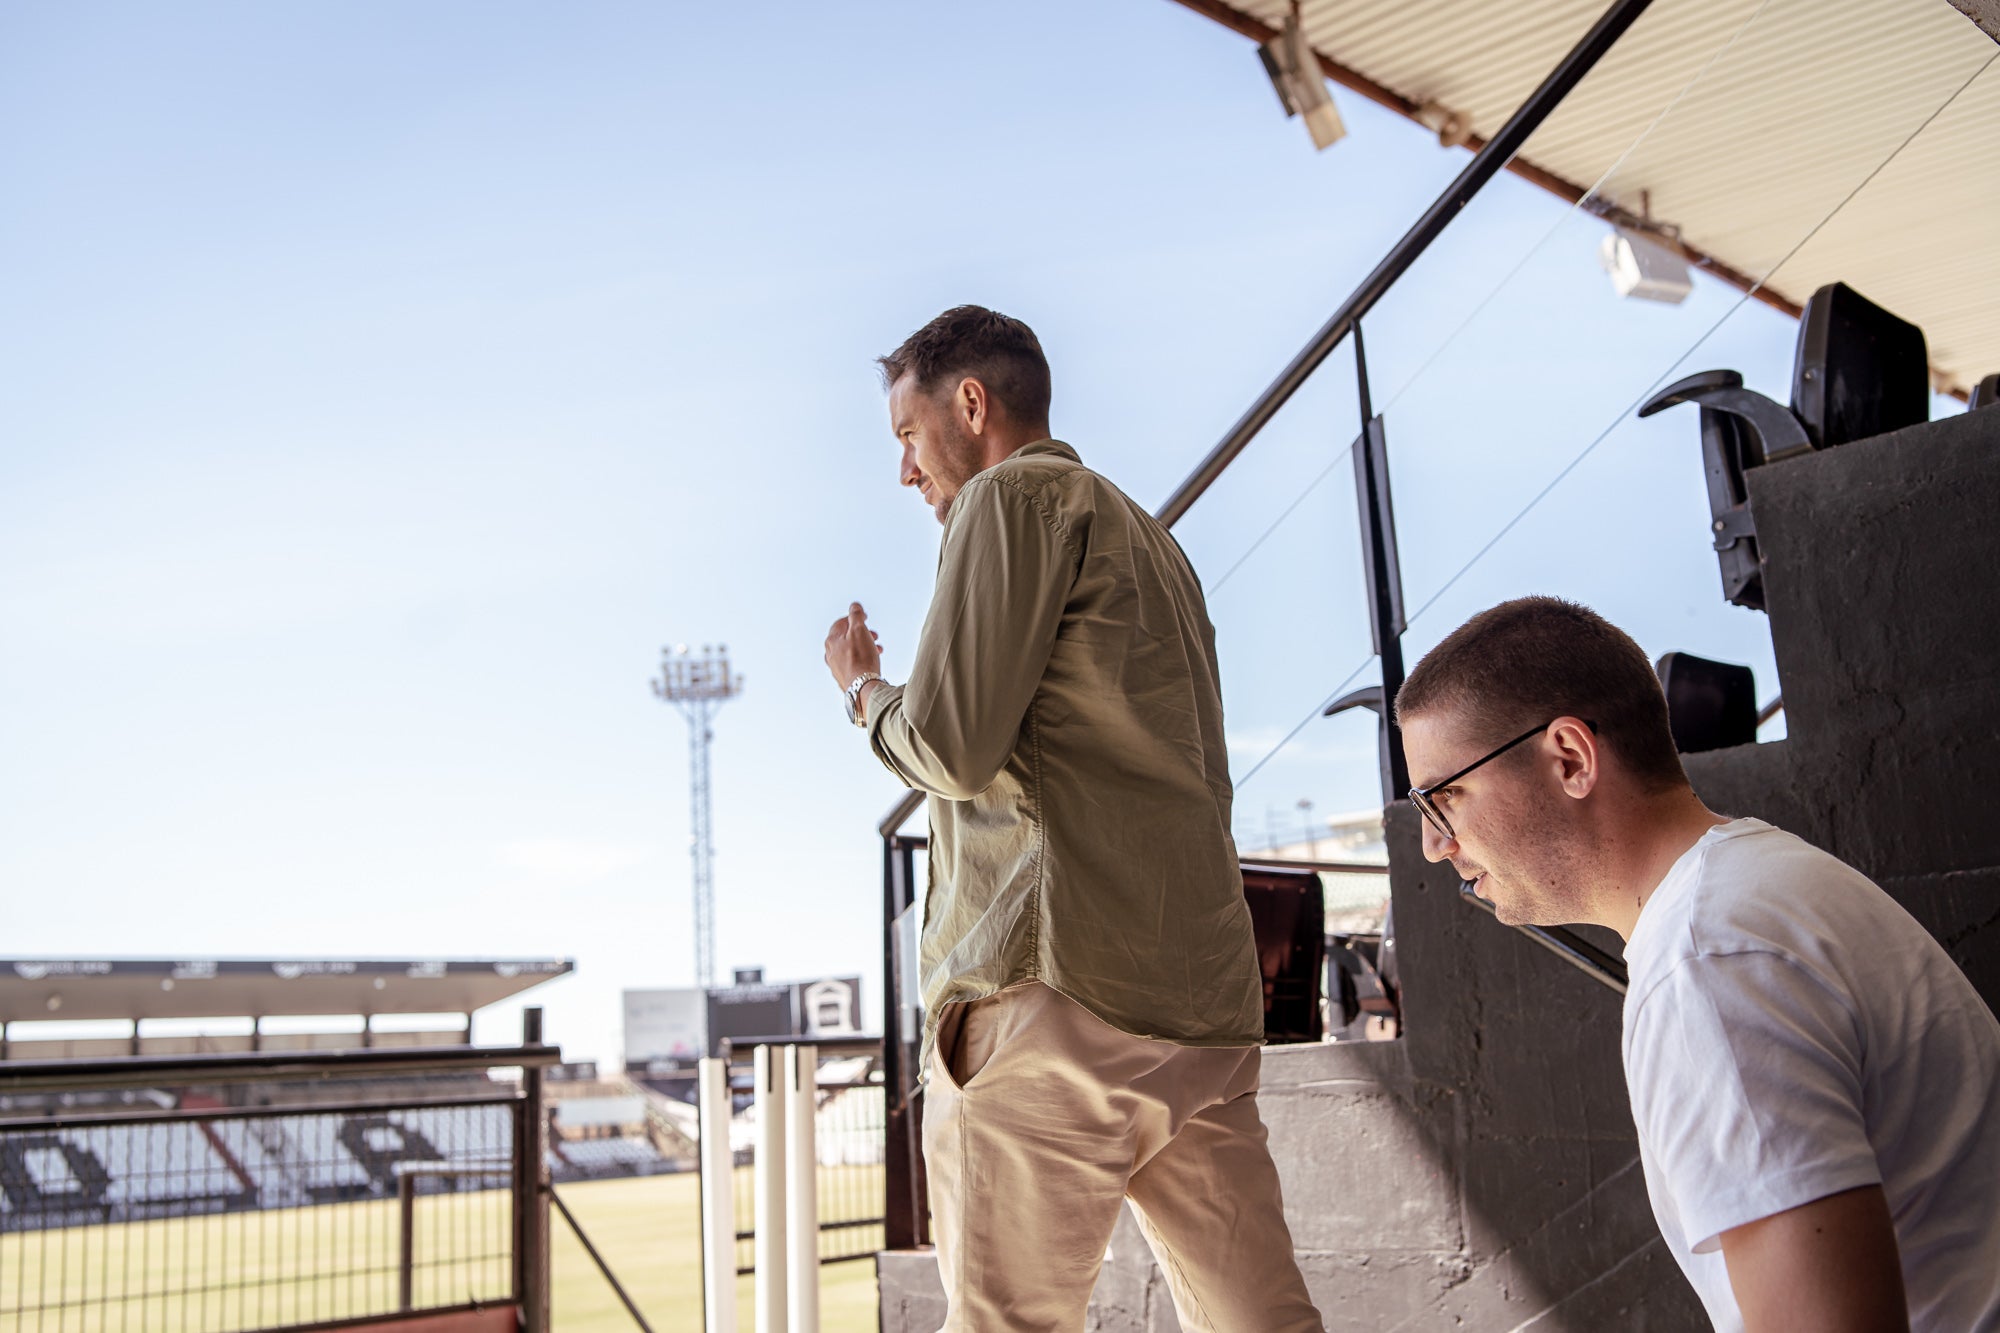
[1093, 1002]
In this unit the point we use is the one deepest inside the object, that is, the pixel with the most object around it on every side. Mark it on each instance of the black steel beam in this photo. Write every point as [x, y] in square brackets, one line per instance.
[1484, 166]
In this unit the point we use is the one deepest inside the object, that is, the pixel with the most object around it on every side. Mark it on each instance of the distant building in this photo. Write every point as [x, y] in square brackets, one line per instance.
[667, 1030]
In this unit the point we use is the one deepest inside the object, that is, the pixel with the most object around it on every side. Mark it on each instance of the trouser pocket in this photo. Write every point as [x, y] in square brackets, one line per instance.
[968, 1034]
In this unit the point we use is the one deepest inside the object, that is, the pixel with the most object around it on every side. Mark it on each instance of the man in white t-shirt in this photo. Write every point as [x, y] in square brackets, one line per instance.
[1813, 1080]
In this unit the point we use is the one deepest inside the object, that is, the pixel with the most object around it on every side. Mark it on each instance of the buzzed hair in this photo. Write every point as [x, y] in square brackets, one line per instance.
[1539, 658]
[1000, 352]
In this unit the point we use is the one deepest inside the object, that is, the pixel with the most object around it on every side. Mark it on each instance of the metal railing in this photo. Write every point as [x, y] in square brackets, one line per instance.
[326, 1201]
[849, 1134]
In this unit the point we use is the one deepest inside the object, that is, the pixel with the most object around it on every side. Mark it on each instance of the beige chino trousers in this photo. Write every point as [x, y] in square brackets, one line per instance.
[1040, 1119]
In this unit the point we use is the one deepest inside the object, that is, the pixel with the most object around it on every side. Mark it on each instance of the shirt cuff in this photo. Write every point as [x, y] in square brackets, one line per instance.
[882, 701]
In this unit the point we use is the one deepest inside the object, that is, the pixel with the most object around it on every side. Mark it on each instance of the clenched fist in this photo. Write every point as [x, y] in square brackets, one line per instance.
[851, 647]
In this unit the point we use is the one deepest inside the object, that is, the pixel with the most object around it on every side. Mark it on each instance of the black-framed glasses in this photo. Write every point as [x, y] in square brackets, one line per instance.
[1421, 796]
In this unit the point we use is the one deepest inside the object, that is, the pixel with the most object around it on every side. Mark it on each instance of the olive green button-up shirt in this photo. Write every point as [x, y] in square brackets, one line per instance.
[1065, 717]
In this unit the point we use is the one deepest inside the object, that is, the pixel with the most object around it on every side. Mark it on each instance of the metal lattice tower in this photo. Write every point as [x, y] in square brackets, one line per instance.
[699, 686]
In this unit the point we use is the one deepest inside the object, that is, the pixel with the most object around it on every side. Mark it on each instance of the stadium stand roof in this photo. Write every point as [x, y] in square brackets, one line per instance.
[142, 988]
[1774, 113]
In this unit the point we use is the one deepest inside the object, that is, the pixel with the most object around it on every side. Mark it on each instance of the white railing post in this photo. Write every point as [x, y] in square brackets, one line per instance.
[718, 1199]
[802, 1185]
[770, 1190]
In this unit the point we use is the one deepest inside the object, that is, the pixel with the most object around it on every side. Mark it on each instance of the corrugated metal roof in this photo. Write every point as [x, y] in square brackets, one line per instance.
[1774, 118]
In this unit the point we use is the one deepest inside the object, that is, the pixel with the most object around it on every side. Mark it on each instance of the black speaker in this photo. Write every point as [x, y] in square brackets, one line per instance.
[1710, 705]
[1860, 371]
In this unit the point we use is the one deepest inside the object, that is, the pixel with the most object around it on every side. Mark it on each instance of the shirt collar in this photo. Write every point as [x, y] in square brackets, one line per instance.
[1046, 449]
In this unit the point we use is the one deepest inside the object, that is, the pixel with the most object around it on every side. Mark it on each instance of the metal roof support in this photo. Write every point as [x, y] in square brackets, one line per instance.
[1484, 166]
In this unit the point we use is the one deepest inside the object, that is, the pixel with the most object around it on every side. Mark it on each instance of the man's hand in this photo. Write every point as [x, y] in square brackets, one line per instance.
[851, 647]
[1830, 1266]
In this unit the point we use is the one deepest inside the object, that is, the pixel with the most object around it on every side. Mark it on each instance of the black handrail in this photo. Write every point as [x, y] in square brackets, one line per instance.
[1485, 164]
[1567, 945]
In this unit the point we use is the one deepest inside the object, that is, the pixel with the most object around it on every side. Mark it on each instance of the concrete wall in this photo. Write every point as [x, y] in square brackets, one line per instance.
[1482, 1171]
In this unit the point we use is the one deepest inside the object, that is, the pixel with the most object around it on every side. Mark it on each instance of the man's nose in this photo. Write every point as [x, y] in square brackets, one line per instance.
[1437, 847]
[909, 474]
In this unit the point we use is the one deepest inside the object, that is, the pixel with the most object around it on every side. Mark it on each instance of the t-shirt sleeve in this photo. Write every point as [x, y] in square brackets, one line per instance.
[1745, 1073]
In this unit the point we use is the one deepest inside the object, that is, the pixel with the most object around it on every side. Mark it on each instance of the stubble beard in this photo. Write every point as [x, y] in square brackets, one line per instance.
[1548, 885]
[960, 457]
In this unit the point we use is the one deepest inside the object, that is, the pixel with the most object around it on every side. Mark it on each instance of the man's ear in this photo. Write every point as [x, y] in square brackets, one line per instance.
[1578, 754]
[973, 406]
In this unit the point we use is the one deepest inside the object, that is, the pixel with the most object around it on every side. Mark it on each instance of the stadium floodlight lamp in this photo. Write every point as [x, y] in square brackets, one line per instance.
[1642, 266]
[1301, 86]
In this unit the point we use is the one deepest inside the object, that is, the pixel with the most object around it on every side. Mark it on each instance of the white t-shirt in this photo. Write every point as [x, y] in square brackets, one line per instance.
[1790, 1032]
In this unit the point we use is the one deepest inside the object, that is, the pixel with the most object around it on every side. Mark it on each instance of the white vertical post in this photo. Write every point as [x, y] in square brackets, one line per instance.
[770, 1190]
[802, 1185]
[718, 1199]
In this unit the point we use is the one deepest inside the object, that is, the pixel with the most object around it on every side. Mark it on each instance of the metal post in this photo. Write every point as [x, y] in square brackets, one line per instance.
[1382, 571]
[770, 1242]
[718, 1198]
[906, 1215]
[532, 1196]
[802, 1188]
[406, 1238]
[896, 1232]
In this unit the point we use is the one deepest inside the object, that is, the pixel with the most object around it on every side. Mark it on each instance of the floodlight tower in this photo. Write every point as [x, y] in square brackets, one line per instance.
[699, 686]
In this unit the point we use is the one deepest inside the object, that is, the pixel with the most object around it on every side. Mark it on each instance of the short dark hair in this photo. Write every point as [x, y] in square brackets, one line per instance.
[1000, 352]
[1537, 658]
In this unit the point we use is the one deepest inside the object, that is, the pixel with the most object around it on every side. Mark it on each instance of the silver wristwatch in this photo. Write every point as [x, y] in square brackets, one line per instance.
[854, 714]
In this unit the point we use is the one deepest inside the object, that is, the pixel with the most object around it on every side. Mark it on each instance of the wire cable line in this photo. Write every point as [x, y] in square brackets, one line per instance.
[1623, 414]
[1506, 279]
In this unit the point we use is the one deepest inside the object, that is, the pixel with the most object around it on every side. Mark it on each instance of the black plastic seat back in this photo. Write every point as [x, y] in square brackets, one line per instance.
[1860, 371]
[1984, 394]
[1288, 916]
[1710, 705]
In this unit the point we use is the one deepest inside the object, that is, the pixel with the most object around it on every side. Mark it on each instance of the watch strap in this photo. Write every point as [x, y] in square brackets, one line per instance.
[853, 692]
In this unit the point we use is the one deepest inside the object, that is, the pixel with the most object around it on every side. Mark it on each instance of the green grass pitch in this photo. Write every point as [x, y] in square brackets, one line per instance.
[255, 1270]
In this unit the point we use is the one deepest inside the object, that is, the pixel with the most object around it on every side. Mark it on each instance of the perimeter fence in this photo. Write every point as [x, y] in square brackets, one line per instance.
[850, 1130]
[134, 1195]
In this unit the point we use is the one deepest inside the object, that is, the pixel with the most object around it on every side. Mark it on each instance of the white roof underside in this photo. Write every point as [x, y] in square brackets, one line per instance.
[1770, 114]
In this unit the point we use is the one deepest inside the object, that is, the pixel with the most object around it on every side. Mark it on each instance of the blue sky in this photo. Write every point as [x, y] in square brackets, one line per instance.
[382, 386]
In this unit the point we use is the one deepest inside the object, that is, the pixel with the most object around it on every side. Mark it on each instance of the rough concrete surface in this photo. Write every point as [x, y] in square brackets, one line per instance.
[1482, 1171]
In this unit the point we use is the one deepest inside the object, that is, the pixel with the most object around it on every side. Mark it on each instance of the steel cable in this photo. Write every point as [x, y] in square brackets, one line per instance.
[1623, 413]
